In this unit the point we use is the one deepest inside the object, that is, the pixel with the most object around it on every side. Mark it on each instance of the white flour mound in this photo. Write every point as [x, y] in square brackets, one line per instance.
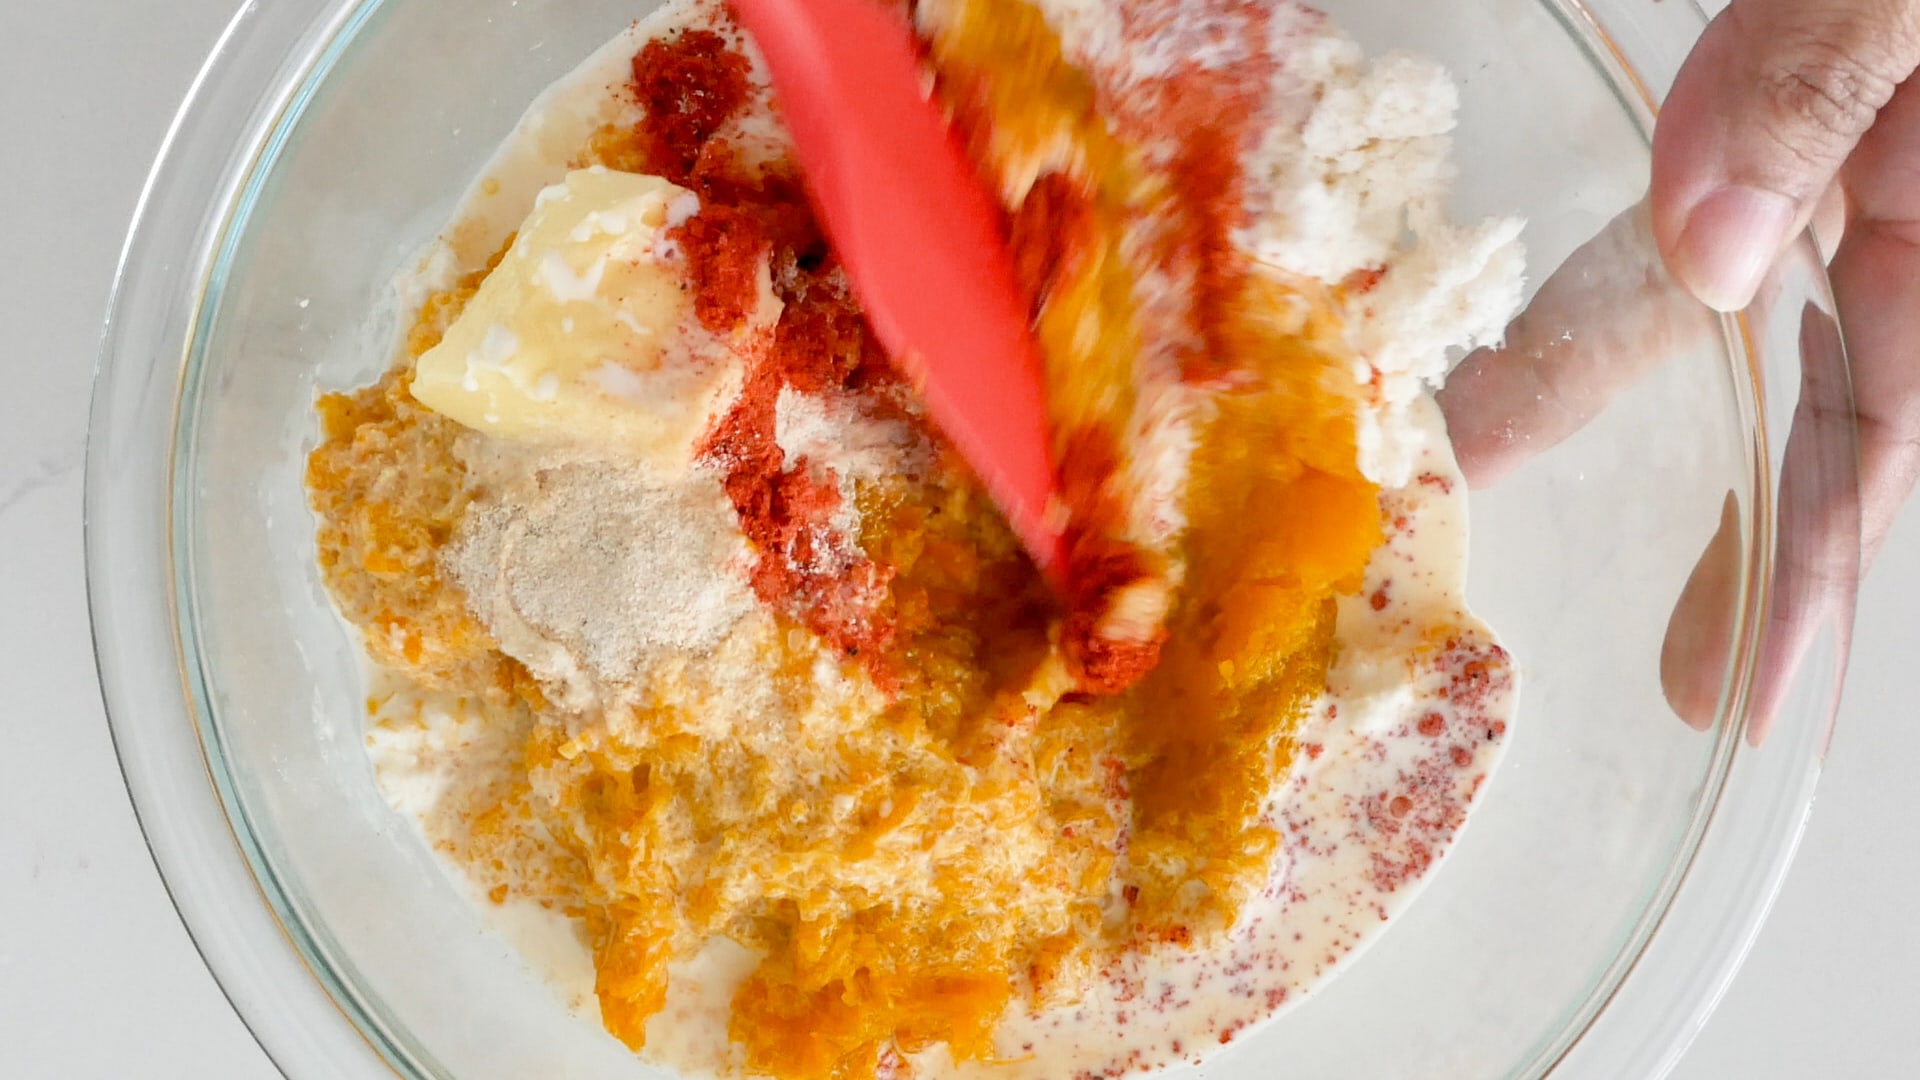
[1351, 176]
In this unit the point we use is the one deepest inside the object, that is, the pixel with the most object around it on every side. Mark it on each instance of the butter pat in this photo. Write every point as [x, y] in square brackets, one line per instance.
[585, 333]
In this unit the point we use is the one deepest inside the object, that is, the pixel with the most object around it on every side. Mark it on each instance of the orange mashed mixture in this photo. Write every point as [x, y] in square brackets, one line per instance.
[982, 837]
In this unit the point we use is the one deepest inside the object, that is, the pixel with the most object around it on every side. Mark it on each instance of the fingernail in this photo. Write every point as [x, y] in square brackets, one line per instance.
[1730, 242]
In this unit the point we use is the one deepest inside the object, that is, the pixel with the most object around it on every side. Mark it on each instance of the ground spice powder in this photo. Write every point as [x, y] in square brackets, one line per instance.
[753, 221]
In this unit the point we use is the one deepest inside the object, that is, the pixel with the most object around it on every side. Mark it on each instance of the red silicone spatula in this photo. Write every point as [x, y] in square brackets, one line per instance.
[919, 238]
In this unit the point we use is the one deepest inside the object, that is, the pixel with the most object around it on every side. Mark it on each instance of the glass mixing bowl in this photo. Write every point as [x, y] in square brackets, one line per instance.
[1593, 912]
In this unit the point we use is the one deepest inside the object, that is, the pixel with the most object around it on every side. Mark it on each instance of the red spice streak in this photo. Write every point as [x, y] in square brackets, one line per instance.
[1050, 236]
[1207, 118]
[1361, 282]
[1099, 565]
[689, 88]
[1044, 232]
[1208, 175]
[724, 249]
[1211, 114]
[1099, 568]
[1202, 120]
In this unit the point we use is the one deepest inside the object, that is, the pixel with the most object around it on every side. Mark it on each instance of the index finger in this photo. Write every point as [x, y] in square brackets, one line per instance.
[1610, 315]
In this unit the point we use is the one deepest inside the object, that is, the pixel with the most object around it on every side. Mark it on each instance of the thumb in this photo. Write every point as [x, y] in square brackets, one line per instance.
[1769, 105]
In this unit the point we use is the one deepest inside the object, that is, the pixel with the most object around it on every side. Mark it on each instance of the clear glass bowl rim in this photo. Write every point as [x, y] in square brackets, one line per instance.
[255, 78]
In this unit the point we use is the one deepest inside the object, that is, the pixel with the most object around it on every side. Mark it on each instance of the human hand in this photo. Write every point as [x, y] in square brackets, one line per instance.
[1611, 315]
[1788, 112]
[1798, 111]
[1792, 112]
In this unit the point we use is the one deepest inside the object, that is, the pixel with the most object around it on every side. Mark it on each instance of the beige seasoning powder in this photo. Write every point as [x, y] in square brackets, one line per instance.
[590, 572]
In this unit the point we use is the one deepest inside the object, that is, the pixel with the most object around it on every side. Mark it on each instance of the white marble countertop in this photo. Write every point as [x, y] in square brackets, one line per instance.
[99, 979]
